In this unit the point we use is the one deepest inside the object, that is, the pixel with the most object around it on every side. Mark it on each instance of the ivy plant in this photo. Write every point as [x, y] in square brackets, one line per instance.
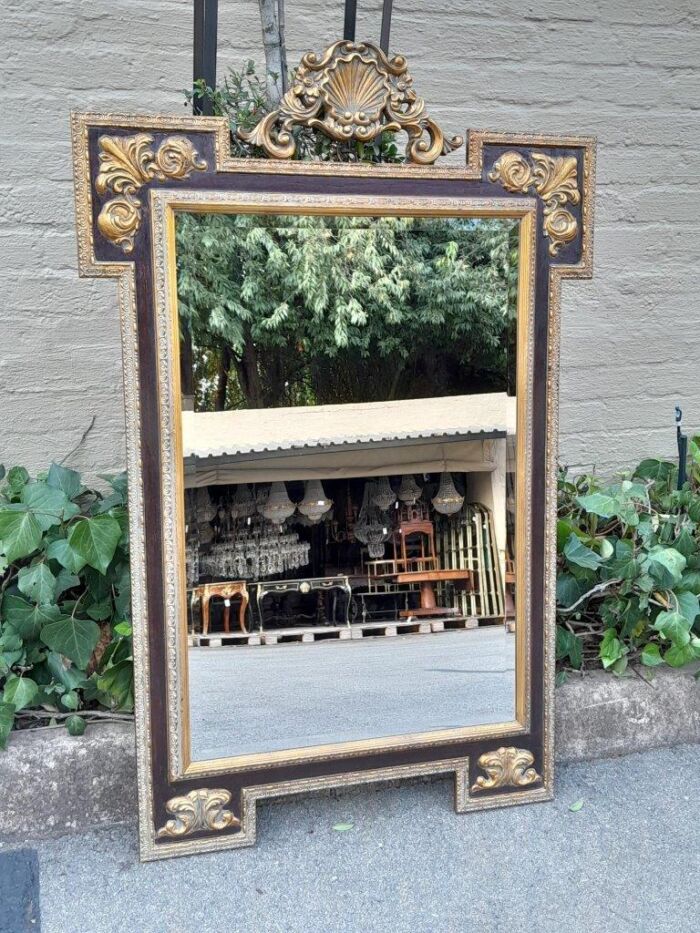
[629, 568]
[65, 633]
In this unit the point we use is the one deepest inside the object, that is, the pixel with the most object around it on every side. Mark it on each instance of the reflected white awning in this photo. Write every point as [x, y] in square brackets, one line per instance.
[339, 441]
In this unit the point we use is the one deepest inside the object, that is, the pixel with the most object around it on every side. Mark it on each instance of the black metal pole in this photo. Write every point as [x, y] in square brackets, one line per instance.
[682, 441]
[386, 26]
[350, 20]
[206, 15]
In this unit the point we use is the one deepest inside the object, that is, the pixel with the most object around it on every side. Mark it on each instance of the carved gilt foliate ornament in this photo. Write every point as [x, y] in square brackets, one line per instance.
[126, 164]
[506, 767]
[353, 91]
[200, 810]
[554, 179]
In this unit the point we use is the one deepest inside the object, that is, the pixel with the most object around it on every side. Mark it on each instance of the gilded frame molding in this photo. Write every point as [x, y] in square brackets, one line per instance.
[167, 784]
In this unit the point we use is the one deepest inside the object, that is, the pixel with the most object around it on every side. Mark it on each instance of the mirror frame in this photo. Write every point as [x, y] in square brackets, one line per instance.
[131, 174]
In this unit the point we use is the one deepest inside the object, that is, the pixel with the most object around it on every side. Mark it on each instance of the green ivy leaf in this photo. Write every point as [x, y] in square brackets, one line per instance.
[20, 692]
[66, 556]
[599, 503]
[657, 470]
[16, 478]
[651, 655]
[47, 504]
[64, 672]
[73, 638]
[688, 605]
[75, 725]
[666, 565]
[68, 481]
[38, 583]
[577, 553]
[123, 628]
[25, 619]
[20, 533]
[7, 718]
[611, 648]
[70, 700]
[576, 806]
[118, 682]
[95, 540]
[690, 582]
[678, 655]
[673, 626]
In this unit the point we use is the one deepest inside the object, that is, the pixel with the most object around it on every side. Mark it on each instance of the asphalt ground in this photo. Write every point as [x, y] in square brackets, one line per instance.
[268, 697]
[627, 861]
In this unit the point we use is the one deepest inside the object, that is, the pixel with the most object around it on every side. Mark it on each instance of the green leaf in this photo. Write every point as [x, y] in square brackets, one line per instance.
[7, 718]
[685, 543]
[343, 827]
[17, 477]
[20, 692]
[606, 549]
[666, 565]
[70, 700]
[47, 504]
[66, 556]
[688, 605]
[73, 638]
[576, 806]
[65, 581]
[568, 646]
[38, 583]
[678, 655]
[690, 582]
[20, 533]
[68, 481]
[580, 555]
[651, 655]
[25, 619]
[75, 725]
[100, 611]
[611, 648]
[123, 628]
[673, 626]
[118, 683]
[598, 503]
[658, 470]
[95, 540]
[64, 672]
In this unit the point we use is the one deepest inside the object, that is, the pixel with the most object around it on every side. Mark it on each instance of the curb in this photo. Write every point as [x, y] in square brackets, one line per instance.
[54, 783]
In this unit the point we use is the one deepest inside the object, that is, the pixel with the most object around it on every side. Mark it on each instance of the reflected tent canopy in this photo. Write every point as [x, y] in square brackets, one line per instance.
[455, 433]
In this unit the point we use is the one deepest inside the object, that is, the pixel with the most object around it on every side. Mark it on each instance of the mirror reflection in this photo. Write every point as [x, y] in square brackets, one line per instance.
[348, 422]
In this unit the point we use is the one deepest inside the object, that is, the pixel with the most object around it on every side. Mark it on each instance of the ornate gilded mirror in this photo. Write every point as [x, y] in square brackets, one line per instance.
[341, 402]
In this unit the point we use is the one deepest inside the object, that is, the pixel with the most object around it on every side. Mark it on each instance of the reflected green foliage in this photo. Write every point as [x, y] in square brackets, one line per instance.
[65, 640]
[314, 310]
[629, 568]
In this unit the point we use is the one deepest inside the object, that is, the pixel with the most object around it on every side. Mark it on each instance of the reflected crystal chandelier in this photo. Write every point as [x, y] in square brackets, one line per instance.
[372, 527]
[409, 490]
[243, 503]
[383, 495]
[279, 507]
[204, 507]
[315, 503]
[447, 500]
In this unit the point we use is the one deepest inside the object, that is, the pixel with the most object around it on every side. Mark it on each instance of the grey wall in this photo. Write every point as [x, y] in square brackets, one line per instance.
[627, 71]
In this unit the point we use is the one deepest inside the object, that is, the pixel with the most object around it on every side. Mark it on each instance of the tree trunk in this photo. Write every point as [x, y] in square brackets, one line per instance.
[222, 380]
[272, 44]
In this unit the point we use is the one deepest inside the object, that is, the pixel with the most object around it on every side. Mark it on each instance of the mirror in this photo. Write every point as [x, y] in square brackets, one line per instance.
[349, 440]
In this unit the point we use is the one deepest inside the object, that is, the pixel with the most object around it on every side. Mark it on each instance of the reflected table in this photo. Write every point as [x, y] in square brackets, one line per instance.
[304, 586]
[226, 591]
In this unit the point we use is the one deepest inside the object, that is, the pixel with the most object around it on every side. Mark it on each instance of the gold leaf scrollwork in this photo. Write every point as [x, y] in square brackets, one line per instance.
[353, 91]
[126, 164]
[554, 179]
[506, 767]
[201, 810]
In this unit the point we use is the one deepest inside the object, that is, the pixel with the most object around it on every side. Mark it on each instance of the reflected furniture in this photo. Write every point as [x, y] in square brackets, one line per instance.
[226, 591]
[304, 585]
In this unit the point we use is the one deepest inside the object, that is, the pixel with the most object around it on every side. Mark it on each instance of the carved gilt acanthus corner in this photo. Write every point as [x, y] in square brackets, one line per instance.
[506, 767]
[353, 91]
[554, 179]
[201, 810]
[126, 164]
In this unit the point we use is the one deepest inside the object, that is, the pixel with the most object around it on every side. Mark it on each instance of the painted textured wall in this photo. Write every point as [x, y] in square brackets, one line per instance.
[627, 71]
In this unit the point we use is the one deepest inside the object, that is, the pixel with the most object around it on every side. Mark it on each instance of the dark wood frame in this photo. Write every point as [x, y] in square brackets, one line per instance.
[199, 810]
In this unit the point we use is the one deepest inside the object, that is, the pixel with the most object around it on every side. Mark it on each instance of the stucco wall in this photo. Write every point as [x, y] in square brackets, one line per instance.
[627, 71]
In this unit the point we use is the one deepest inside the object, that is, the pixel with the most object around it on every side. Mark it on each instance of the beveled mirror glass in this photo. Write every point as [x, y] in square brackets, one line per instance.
[341, 412]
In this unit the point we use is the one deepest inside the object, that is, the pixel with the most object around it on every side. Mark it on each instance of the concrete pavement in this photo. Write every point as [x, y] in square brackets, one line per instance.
[268, 697]
[626, 862]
